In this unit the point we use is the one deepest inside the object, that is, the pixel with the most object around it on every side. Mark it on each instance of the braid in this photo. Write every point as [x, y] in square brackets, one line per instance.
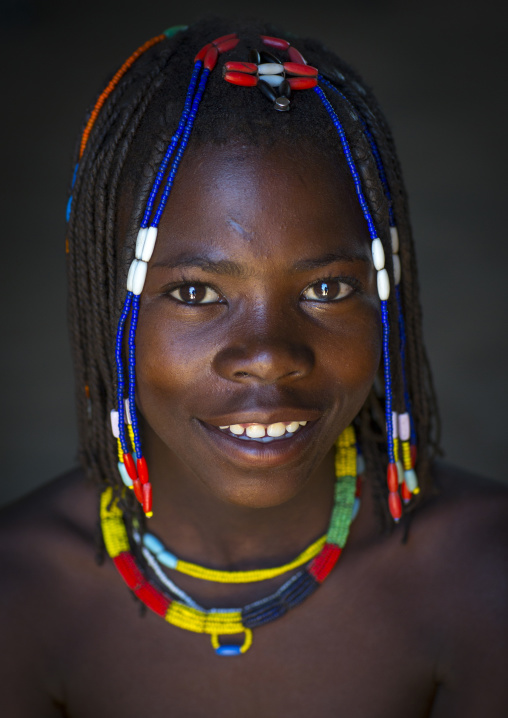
[125, 139]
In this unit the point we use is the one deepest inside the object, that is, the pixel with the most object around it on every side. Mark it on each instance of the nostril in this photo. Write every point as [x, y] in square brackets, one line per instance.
[241, 374]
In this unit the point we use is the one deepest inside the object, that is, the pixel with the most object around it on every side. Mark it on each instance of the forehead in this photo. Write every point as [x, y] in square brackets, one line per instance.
[261, 201]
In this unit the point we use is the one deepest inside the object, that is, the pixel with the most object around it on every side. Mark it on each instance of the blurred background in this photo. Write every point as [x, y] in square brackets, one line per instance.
[439, 71]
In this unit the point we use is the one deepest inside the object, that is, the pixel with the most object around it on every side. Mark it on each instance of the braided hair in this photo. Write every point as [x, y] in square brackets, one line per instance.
[118, 159]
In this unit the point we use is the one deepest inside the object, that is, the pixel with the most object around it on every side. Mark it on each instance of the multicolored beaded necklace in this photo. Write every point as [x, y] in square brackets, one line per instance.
[182, 611]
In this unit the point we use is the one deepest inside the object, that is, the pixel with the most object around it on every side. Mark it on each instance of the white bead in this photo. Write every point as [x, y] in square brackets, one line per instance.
[404, 427]
[270, 68]
[395, 239]
[114, 424]
[127, 412]
[378, 254]
[130, 275]
[397, 270]
[149, 244]
[138, 276]
[273, 80]
[383, 284]
[411, 480]
[125, 476]
[395, 428]
[400, 471]
[140, 241]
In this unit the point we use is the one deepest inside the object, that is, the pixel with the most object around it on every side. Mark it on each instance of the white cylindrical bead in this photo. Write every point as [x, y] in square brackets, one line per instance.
[378, 254]
[127, 413]
[138, 277]
[125, 476]
[151, 237]
[272, 80]
[360, 464]
[140, 241]
[397, 270]
[400, 471]
[395, 427]
[395, 239]
[114, 424]
[404, 427]
[383, 284]
[270, 68]
[130, 275]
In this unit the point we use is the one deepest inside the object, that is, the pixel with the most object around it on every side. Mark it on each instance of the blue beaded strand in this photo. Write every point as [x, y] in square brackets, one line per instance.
[172, 145]
[119, 370]
[372, 230]
[132, 374]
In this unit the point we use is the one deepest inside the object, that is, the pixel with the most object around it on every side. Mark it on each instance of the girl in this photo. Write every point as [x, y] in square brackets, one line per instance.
[256, 414]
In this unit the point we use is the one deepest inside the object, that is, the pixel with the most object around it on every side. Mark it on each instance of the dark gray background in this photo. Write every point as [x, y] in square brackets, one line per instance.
[439, 71]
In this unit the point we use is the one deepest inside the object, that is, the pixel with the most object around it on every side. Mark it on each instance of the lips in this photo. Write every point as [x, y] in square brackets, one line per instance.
[245, 437]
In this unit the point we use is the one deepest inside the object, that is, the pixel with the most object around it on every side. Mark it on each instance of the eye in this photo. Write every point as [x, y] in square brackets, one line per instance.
[327, 290]
[195, 294]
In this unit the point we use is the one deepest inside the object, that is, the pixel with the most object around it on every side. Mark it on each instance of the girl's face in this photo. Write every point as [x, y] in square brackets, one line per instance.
[259, 307]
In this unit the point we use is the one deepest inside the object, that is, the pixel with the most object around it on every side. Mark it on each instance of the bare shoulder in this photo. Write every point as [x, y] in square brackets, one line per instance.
[460, 550]
[46, 563]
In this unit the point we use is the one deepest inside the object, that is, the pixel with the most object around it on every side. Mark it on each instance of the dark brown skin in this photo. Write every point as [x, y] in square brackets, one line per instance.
[399, 629]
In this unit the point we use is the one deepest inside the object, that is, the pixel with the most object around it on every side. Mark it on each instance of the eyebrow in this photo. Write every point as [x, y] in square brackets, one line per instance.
[233, 269]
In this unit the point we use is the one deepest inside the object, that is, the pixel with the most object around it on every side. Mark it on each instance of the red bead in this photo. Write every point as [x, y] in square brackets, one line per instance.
[296, 68]
[358, 491]
[129, 571]
[147, 498]
[211, 57]
[406, 494]
[224, 38]
[326, 559]
[414, 454]
[128, 462]
[142, 470]
[241, 78]
[228, 45]
[395, 505]
[302, 83]
[138, 490]
[296, 56]
[202, 52]
[276, 42]
[153, 599]
[248, 67]
[392, 477]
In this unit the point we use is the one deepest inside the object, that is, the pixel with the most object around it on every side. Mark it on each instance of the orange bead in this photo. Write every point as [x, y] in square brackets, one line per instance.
[211, 57]
[406, 493]
[147, 498]
[296, 68]
[138, 490]
[130, 466]
[202, 52]
[392, 477]
[395, 505]
[228, 45]
[249, 67]
[241, 78]
[142, 470]
[302, 83]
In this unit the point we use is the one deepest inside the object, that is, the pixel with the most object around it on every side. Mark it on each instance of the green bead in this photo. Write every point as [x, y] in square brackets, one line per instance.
[173, 30]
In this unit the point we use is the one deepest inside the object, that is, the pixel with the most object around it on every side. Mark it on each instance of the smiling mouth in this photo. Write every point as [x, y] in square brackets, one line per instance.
[263, 433]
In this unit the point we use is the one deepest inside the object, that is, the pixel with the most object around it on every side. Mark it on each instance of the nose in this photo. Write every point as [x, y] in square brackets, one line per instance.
[264, 361]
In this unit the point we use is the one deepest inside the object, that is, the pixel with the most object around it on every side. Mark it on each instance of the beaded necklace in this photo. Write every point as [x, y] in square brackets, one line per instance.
[182, 611]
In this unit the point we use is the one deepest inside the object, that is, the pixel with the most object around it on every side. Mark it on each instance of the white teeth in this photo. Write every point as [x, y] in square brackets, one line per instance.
[236, 429]
[278, 429]
[293, 427]
[255, 431]
[223, 427]
[302, 423]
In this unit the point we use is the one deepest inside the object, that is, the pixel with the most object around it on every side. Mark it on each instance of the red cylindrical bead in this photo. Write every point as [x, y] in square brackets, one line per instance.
[202, 52]
[392, 477]
[296, 68]
[323, 563]
[406, 493]
[147, 497]
[130, 467]
[128, 569]
[224, 38]
[241, 78]
[154, 599]
[142, 469]
[276, 42]
[395, 505]
[248, 67]
[302, 83]
[228, 45]
[138, 490]
[414, 454]
[296, 56]
[211, 58]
